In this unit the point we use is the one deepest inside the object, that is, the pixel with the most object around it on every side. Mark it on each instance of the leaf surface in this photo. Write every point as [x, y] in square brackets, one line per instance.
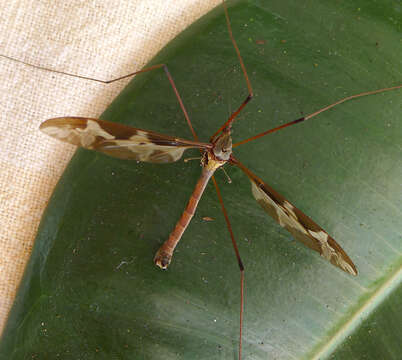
[91, 290]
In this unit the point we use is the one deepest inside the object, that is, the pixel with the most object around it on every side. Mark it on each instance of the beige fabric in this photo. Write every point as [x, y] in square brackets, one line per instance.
[96, 38]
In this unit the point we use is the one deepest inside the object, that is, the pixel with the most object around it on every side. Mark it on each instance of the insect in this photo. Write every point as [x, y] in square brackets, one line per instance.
[131, 143]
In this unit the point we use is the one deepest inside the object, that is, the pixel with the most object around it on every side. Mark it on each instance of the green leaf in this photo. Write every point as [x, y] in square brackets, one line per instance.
[91, 290]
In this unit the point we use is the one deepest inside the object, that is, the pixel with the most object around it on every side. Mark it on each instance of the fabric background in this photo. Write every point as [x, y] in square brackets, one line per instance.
[95, 38]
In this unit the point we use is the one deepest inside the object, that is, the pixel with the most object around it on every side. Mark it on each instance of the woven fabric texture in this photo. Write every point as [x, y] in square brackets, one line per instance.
[95, 38]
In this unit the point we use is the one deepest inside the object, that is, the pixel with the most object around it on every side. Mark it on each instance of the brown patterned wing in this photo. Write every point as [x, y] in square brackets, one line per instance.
[118, 140]
[298, 224]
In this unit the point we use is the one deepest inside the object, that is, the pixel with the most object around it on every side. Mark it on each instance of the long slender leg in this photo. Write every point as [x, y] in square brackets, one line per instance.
[239, 261]
[229, 122]
[367, 93]
[153, 67]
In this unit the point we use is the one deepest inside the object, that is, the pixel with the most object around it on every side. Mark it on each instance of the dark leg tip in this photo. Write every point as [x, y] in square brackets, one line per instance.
[162, 259]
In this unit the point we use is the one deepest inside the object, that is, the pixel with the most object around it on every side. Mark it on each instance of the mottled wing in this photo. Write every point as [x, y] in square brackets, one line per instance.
[298, 224]
[118, 140]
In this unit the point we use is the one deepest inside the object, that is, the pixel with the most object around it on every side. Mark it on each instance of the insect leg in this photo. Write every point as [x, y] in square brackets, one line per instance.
[153, 67]
[243, 67]
[166, 70]
[367, 93]
[239, 261]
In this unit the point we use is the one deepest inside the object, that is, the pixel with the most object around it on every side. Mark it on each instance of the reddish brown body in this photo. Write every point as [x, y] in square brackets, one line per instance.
[165, 253]
[213, 159]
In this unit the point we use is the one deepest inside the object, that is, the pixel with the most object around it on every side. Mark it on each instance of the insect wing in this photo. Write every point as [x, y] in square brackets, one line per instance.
[298, 224]
[118, 140]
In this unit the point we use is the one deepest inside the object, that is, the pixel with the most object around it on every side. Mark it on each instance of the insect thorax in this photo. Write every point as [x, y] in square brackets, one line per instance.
[222, 148]
[219, 154]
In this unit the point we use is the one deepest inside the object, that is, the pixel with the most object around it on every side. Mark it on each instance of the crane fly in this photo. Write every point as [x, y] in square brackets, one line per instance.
[126, 142]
